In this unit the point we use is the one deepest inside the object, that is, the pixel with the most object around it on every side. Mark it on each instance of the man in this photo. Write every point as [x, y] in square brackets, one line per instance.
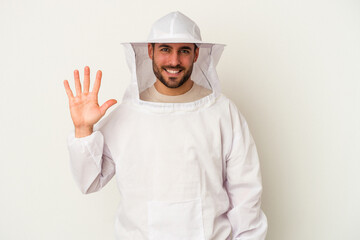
[172, 65]
[185, 161]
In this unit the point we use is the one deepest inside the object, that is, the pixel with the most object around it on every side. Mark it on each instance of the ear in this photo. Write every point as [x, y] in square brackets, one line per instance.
[150, 50]
[196, 54]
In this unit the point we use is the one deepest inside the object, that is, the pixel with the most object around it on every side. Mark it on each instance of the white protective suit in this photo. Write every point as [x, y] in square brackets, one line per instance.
[185, 171]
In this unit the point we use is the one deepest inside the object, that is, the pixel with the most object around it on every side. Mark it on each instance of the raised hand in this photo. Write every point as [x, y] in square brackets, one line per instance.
[84, 108]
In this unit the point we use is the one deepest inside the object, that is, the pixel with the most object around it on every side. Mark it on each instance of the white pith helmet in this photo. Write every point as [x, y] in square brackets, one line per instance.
[175, 27]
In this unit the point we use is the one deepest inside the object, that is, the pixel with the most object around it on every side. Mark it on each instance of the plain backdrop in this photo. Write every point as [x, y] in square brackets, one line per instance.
[292, 67]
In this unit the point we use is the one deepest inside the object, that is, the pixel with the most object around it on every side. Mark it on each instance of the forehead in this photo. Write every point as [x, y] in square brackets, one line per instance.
[176, 45]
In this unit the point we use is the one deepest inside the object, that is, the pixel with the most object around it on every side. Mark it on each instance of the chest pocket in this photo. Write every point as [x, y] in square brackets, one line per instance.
[175, 220]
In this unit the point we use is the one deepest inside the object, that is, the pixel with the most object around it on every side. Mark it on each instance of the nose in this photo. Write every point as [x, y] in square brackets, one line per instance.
[174, 59]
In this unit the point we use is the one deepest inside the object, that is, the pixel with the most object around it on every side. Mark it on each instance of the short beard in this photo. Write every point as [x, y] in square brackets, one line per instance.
[183, 80]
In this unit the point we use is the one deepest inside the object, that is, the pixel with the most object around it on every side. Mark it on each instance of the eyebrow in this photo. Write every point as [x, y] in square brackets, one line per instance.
[164, 45]
[182, 48]
[188, 48]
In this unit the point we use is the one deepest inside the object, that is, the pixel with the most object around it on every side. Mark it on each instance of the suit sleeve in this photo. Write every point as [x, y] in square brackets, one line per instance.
[243, 183]
[90, 161]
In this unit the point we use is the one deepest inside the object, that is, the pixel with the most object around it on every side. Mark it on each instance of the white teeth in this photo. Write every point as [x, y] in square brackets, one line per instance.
[172, 71]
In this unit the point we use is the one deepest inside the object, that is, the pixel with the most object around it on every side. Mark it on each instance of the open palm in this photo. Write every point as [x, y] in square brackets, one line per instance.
[84, 108]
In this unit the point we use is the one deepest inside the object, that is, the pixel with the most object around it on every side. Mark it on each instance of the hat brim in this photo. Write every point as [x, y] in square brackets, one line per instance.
[198, 43]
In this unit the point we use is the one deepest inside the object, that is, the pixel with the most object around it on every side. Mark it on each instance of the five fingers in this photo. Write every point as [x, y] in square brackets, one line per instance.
[86, 86]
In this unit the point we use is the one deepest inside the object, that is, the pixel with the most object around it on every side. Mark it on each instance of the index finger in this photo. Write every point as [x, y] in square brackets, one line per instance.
[97, 82]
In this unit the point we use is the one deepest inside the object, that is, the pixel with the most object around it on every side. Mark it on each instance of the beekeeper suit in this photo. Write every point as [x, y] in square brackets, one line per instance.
[185, 171]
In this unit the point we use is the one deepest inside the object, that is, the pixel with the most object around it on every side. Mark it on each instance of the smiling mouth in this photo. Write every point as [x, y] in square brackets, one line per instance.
[172, 71]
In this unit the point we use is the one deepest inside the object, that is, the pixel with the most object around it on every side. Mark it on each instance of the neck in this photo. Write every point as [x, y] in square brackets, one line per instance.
[161, 88]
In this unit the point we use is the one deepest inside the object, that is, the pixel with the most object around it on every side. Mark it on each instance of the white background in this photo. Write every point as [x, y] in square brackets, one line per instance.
[291, 66]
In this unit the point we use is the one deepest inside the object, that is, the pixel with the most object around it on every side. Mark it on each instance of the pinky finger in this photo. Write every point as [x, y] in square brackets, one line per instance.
[68, 89]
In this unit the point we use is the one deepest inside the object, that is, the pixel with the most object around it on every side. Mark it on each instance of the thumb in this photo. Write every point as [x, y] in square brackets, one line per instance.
[106, 106]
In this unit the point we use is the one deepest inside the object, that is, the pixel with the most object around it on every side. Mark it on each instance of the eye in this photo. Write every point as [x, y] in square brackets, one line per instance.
[185, 51]
[165, 50]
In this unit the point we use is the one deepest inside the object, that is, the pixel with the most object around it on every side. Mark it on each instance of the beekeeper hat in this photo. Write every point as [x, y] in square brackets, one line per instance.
[175, 27]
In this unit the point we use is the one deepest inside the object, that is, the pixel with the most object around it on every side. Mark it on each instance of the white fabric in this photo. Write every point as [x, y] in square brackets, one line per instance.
[185, 171]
